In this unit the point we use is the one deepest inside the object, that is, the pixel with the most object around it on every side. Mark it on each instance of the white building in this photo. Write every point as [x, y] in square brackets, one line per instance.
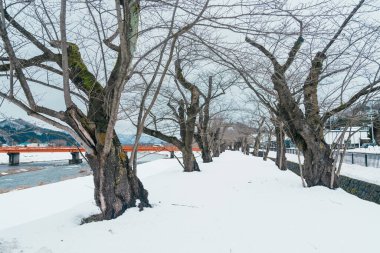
[359, 135]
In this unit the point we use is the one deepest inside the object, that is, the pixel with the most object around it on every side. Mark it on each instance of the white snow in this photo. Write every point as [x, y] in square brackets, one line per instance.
[367, 174]
[37, 157]
[236, 204]
[371, 150]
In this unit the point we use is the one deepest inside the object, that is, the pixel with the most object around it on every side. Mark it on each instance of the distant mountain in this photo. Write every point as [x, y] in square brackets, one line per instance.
[129, 139]
[18, 131]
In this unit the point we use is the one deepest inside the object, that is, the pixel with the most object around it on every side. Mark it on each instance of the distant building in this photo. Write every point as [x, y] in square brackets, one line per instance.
[58, 143]
[33, 144]
[359, 136]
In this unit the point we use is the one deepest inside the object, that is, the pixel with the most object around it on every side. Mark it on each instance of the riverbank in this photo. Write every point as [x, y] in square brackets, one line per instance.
[46, 168]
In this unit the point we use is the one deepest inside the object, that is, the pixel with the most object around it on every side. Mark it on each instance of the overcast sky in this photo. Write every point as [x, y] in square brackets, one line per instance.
[54, 99]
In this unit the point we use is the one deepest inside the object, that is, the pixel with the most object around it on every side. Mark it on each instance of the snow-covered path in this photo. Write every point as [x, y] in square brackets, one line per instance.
[236, 204]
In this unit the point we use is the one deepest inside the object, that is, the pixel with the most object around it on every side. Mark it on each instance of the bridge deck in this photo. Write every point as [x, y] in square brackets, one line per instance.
[12, 149]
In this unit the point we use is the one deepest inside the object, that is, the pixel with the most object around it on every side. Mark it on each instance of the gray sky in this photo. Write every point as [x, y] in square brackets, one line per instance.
[54, 99]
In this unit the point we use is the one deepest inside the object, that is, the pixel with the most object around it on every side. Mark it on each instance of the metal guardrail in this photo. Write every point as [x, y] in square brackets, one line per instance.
[358, 158]
[363, 159]
[128, 148]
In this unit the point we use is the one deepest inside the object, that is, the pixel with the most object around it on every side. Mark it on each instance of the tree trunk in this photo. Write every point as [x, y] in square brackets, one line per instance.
[204, 146]
[256, 145]
[216, 152]
[206, 151]
[247, 149]
[265, 156]
[116, 186]
[281, 149]
[223, 147]
[189, 162]
[237, 146]
[318, 165]
[216, 143]
[243, 145]
[206, 155]
[256, 148]
[203, 126]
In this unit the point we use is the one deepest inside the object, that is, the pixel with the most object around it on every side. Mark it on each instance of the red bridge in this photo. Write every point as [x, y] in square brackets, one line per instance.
[14, 152]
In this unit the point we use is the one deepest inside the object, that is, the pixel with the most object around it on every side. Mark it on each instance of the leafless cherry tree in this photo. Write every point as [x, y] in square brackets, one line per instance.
[316, 65]
[89, 53]
[305, 124]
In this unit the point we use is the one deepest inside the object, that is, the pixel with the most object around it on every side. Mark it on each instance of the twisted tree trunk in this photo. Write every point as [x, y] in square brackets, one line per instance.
[116, 186]
[307, 132]
[186, 115]
[318, 165]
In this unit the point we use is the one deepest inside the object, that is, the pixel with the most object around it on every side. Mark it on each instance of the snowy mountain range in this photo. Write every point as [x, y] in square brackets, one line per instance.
[18, 131]
[129, 139]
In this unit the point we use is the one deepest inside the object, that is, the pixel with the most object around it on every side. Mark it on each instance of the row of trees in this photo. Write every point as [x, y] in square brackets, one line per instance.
[170, 67]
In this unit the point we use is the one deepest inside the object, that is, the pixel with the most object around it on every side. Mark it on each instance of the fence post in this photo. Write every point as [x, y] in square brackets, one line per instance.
[366, 160]
[352, 158]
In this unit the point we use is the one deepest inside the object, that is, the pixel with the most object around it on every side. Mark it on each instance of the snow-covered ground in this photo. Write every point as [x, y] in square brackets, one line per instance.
[236, 204]
[37, 157]
[370, 150]
[367, 174]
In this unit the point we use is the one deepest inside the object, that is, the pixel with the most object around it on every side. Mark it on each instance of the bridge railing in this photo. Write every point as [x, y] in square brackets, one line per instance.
[126, 148]
[14, 151]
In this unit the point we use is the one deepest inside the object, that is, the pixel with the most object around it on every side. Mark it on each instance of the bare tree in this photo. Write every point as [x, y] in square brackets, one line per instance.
[306, 55]
[148, 86]
[306, 126]
[217, 129]
[186, 116]
[115, 187]
[210, 109]
[202, 134]
[96, 63]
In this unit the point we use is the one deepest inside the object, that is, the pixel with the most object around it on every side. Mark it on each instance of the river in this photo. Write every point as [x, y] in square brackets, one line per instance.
[31, 174]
